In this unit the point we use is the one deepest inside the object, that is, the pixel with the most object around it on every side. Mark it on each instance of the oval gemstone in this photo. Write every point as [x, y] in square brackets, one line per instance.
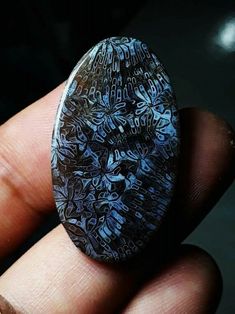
[114, 149]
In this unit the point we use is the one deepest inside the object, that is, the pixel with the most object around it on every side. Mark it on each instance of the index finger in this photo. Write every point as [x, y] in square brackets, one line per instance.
[25, 194]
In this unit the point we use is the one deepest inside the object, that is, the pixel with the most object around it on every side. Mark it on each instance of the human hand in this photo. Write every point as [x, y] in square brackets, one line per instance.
[55, 277]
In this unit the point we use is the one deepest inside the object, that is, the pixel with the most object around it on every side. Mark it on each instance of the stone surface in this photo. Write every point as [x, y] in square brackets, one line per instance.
[114, 149]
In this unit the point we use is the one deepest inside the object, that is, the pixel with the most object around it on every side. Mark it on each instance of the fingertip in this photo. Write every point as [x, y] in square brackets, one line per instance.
[190, 283]
[213, 134]
[203, 273]
[201, 280]
[206, 167]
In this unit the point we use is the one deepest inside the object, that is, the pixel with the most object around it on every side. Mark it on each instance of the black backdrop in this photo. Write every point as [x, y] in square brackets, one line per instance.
[42, 40]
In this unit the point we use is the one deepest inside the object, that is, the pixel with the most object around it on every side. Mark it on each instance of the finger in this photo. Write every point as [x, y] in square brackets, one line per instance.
[25, 180]
[191, 283]
[55, 277]
[206, 168]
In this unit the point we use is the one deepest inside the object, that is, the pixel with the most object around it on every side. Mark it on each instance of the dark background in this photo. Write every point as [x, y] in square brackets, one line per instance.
[41, 41]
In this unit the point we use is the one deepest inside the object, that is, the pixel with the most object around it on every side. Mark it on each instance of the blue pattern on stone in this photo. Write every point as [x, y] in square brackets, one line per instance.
[114, 149]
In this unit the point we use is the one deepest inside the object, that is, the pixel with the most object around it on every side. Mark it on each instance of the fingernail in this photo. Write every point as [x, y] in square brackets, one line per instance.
[6, 307]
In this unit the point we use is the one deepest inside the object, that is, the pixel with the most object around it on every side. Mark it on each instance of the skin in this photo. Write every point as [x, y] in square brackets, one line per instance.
[55, 277]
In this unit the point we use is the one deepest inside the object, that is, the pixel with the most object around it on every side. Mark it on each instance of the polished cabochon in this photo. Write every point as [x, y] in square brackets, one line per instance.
[115, 148]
